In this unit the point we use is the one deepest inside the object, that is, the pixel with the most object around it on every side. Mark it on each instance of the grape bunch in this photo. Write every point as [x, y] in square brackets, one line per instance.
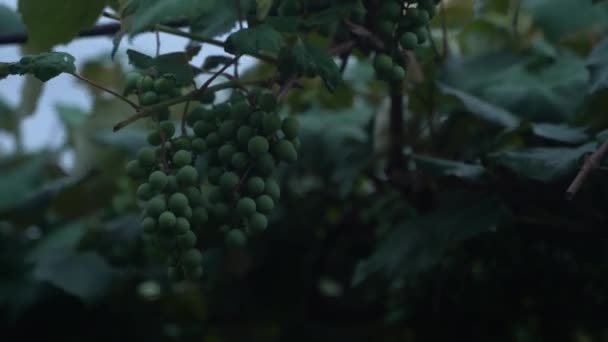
[238, 142]
[244, 139]
[401, 25]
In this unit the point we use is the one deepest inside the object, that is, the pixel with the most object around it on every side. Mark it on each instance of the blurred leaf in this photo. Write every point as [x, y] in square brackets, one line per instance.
[419, 244]
[58, 242]
[44, 66]
[545, 164]
[176, 64]
[17, 179]
[259, 39]
[449, 168]
[52, 22]
[598, 66]
[214, 61]
[560, 132]
[221, 19]
[311, 57]
[71, 116]
[328, 16]
[85, 275]
[481, 36]
[264, 7]
[10, 22]
[7, 116]
[148, 13]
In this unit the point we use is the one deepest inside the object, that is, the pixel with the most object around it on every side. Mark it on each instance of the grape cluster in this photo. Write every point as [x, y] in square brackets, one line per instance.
[151, 90]
[244, 140]
[241, 140]
[400, 25]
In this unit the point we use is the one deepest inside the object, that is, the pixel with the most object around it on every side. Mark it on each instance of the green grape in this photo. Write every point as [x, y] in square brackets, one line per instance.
[222, 111]
[163, 85]
[296, 143]
[239, 160]
[158, 180]
[385, 28]
[171, 184]
[135, 170]
[228, 129]
[255, 120]
[182, 225]
[408, 40]
[202, 128]
[148, 98]
[264, 204]
[255, 186]
[265, 165]
[168, 129]
[187, 175]
[154, 138]
[271, 122]
[200, 215]
[421, 35]
[208, 97]
[423, 17]
[267, 102]
[290, 127]
[156, 206]
[240, 110]
[166, 220]
[146, 156]
[145, 84]
[236, 238]
[187, 214]
[225, 153]
[213, 139]
[257, 222]
[398, 74]
[178, 202]
[209, 116]
[182, 143]
[148, 225]
[144, 192]
[257, 146]
[246, 206]
[390, 10]
[214, 175]
[193, 272]
[199, 146]
[131, 81]
[182, 158]
[194, 196]
[186, 240]
[229, 180]
[191, 258]
[383, 63]
[272, 189]
[243, 134]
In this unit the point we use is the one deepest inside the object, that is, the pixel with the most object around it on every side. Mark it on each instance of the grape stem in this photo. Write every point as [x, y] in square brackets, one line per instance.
[109, 91]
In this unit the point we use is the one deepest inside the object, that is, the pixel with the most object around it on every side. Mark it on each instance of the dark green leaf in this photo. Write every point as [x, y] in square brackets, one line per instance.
[44, 66]
[10, 22]
[212, 62]
[148, 13]
[449, 168]
[255, 40]
[312, 57]
[175, 64]
[221, 19]
[560, 132]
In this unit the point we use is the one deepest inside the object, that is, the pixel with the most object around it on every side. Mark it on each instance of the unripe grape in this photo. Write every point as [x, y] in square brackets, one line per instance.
[158, 180]
[154, 138]
[290, 127]
[144, 192]
[187, 214]
[148, 225]
[265, 165]
[390, 10]
[239, 160]
[383, 63]
[178, 203]
[257, 222]
[200, 215]
[222, 111]
[156, 206]
[255, 186]
[421, 35]
[135, 170]
[186, 240]
[145, 84]
[214, 174]
[255, 119]
[264, 204]
[187, 175]
[408, 40]
[257, 146]
[163, 85]
[272, 189]
[267, 102]
[182, 158]
[423, 17]
[271, 122]
[171, 184]
[240, 110]
[168, 129]
[194, 196]
[284, 150]
[166, 220]
[182, 225]
[191, 258]
[181, 143]
[199, 146]
[243, 134]
[398, 73]
[236, 238]
[228, 129]
[225, 153]
[296, 143]
[229, 180]
[385, 28]
[213, 139]
[148, 98]
[131, 81]
[246, 206]
[202, 128]
[146, 156]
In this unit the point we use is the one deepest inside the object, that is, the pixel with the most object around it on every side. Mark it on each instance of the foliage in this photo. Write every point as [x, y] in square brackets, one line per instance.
[434, 148]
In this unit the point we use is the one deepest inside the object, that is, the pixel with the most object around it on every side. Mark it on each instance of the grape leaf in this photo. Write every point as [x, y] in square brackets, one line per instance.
[52, 22]
[255, 40]
[264, 7]
[311, 57]
[151, 12]
[175, 64]
[43, 66]
[10, 23]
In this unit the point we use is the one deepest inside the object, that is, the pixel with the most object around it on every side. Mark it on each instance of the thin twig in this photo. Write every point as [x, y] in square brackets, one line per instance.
[285, 88]
[109, 91]
[128, 121]
[590, 164]
[157, 42]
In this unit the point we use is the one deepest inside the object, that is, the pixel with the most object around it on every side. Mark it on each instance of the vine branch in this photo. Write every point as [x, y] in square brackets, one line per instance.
[590, 164]
[109, 91]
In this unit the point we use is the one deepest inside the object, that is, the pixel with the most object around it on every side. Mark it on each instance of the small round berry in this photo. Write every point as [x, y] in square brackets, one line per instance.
[148, 225]
[246, 207]
[156, 206]
[236, 238]
[272, 189]
[290, 127]
[182, 158]
[257, 222]
[255, 186]
[187, 175]
[148, 98]
[146, 156]
[199, 146]
[285, 151]
[135, 170]
[239, 160]
[186, 240]
[229, 180]
[144, 192]
[257, 146]
[166, 220]
[192, 258]
[158, 180]
[264, 204]
[168, 129]
[178, 202]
